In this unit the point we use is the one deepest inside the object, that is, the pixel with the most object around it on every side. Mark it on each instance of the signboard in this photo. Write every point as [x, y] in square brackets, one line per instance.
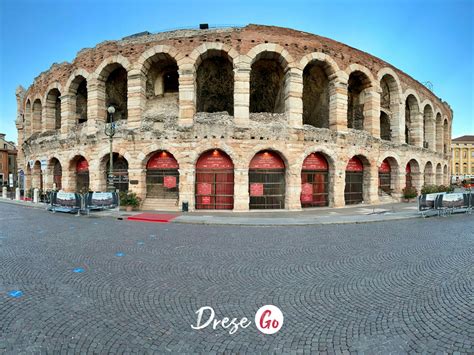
[355, 165]
[31, 162]
[256, 189]
[44, 164]
[204, 188]
[267, 161]
[10, 180]
[169, 182]
[162, 160]
[101, 200]
[214, 160]
[315, 161]
[206, 200]
[65, 201]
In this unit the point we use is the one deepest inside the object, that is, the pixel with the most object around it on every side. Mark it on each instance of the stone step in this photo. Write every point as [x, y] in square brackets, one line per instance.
[160, 204]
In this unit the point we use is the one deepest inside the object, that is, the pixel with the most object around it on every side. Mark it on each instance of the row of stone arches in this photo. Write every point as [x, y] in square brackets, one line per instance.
[267, 172]
[215, 78]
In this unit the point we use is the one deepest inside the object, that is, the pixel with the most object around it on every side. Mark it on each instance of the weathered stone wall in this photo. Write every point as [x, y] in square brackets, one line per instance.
[257, 88]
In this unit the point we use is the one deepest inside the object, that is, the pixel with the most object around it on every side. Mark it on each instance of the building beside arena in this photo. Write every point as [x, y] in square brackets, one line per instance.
[462, 161]
[257, 117]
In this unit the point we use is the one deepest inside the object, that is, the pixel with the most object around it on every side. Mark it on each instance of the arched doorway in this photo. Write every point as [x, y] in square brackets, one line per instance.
[385, 178]
[408, 176]
[162, 177]
[354, 189]
[57, 173]
[314, 181]
[120, 172]
[82, 175]
[214, 181]
[267, 181]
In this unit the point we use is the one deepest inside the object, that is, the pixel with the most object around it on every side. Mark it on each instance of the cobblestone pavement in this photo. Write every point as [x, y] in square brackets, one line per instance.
[373, 288]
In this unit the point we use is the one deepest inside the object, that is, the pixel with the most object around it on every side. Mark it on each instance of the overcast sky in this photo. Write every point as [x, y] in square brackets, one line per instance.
[429, 40]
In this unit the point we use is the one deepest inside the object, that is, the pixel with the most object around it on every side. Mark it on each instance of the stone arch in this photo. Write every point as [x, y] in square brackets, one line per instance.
[120, 170]
[429, 126]
[201, 53]
[412, 120]
[37, 178]
[53, 108]
[446, 139]
[112, 80]
[144, 157]
[330, 64]
[389, 106]
[259, 50]
[79, 178]
[37, 115]
[439, 133]
[55, 172]
[359, 85]
[146, 58]
[321, 180]
[428, 174]
[445, 175]
[365, 179]
[77, 90]
[394, 173]
[214, 80]
[413, 175]
[439, 174]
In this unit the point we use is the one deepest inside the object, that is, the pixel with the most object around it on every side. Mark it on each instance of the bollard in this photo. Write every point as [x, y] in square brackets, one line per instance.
[35, 195]
[17, 194]
[4, 192]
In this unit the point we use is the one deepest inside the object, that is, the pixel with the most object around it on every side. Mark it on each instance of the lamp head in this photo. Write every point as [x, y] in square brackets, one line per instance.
[111, 109]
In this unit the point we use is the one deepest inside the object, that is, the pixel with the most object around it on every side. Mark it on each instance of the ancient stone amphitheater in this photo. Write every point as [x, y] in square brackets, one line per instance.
[257, 117]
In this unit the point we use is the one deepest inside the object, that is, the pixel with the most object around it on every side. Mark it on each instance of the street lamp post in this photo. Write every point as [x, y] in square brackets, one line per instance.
[110, 132]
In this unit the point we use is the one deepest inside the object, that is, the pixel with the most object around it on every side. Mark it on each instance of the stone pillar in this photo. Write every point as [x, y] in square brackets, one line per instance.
[397, 122]
[136, 98]
[242, 95]
[4, 192]
[431, 134]
[68, 180]
[241, 190]
[293, 190]
[372, 112]
[417, 181]
[95, 105]
[140, 188]
[97, 180]
[187, 106]
[371, 183]
[48, 178]
[294, 97]
[186, 187]
[337, 184]
[337, 104]
[68, 113]
[416, 129]
[398, 179]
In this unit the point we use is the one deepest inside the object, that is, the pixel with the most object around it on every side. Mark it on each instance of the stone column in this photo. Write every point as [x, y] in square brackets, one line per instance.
[68, 180]
[95, 105]
[241, 190]
[337, 184]
[68, 113]
[140, 188]
[186, 187]
[371, 183]
[293, 190]
[187, 106]
[294, 97]
[48, 116]
[416, 129]
[372, 112]
[431, 134]
[337, 104]
[417, 181]
[136, 98]
[242, 95]
[398, 179]
[97, 180]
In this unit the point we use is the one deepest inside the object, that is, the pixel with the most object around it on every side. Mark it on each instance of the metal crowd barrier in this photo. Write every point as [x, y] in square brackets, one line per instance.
[443, 204]
[71, 202]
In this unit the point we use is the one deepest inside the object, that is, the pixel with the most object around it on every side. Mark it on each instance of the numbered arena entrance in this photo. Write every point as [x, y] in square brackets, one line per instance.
[314, 181]
[162, 177]
[82, 175]
[120, 172]
[385, 178]
[214, 181]
[353, 192]
[267, 181]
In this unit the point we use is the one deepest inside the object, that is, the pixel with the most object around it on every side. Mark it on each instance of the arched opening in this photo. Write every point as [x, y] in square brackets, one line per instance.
[57, 172]
[162, 177]
[445, 175]
[78, 89]
[445, 137]
[37, 116]
[456, 169]
[411, 113]
[354, 189]
[53, 105]
[439, 174]
[315, 181]
[428, 174]
[215, 83]
[428, 128]
[385, 130]
[412, 169]
[439, 133]
[267, 84]
[119, 171]
[162, 85]
[357, 84]
[316, 95]
[214, 181]
[28, 123]
[82, 174]
[388, 171]
[37, 176]
[389, 108]
[116, 90]
[267, 181]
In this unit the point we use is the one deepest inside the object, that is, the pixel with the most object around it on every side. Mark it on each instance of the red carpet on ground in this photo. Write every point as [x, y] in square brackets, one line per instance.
[152, 217]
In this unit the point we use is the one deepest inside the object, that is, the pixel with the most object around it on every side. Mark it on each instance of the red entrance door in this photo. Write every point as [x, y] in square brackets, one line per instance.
[353, 192]
[214, 181]
[385, 178]
[162, 176]
[82, 176]
[314, 181]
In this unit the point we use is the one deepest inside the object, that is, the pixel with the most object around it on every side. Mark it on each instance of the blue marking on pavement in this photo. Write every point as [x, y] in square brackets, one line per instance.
[119, 254]
[78, 270]
[140, 243]
[15, 293]
[152, 236]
